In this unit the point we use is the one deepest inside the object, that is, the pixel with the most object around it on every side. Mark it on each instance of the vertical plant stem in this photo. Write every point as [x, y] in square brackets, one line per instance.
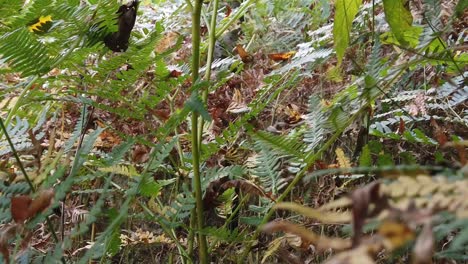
[202, 244]
[209, 61]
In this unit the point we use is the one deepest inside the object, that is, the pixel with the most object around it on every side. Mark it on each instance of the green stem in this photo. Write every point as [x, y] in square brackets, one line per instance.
[234, 18]
[209, 61]
[202, 244]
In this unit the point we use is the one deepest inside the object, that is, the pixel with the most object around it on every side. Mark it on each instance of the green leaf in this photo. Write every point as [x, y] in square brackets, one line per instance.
[385, 160]
[194, 103]
[113, 244]
[345, 11]
[150, 188]
[252, 220]
[398, 17]
[365, 160]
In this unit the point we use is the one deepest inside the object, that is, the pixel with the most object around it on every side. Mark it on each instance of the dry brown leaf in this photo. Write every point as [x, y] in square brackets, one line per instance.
[140, 154]
[401, 127]
[245, 57]
[175, 74]
[439, 133]
[281, 56]
[237, 105]
[228, 10]
[168, 41]
[41, 202]
[108, 139]
[307, 236]
[293, 114]
[23, 207]
[19, 208]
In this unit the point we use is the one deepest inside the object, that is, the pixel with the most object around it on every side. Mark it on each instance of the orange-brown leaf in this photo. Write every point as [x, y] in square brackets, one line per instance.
[439, 133]
[281, 56]
[19, 208]
[401, 127]
[23, 207]
[41, 202]
[228, 10]
[175, 74]
[245, 57]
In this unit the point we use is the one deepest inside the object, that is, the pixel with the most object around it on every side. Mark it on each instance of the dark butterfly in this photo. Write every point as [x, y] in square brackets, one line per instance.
[118, 41]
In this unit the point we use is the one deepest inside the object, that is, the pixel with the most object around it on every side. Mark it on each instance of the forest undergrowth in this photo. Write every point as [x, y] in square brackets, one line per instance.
[301, 131]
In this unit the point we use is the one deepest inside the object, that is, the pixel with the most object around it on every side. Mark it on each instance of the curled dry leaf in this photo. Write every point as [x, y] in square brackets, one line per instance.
[281, 56]
[23, 207]
[228, 10]
[19, 208]
[140, 154]
[175, 74]
[293, 114]
[401, 127]
[245, 57]
[439, 133]
[325, 217]
[237, 105]
[308, 237]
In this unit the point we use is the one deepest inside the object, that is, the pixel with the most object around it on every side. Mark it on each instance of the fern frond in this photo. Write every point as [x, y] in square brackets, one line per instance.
[317, 124]
[224, 234]
[19, 136]
[126, 170]
[216, 173]
[284, 145]
[267, 169]
[25, 53]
